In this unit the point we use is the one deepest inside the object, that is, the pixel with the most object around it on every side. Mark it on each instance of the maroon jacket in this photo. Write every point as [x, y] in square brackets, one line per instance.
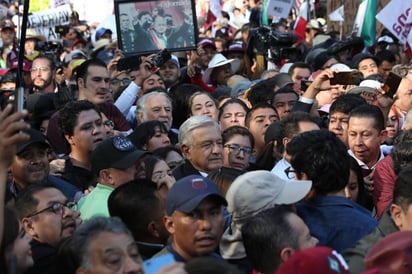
[384, 179]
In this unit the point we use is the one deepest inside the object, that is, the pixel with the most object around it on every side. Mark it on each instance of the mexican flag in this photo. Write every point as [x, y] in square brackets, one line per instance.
[300, 24]
[365, 22]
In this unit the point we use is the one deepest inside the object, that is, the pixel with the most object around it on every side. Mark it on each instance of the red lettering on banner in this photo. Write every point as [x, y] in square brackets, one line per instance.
[402, 27]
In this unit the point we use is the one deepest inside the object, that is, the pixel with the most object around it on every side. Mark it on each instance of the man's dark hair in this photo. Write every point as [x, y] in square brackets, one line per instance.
[135, 203]
[50, 60]
[69, 114]
[370, 111]
[402, 156]
[237, 130]
[285, 90]
[323, 158]
[289, 126]
[346, 103]
[402, 151]
[83, 70]
[385, 55]
[180, 95]
[298, 65]
[265, 235]
[208, 264]
[143, 13]
[262, 92]
[253, 109]
[402, 191]
[25, 202]
[224, 177]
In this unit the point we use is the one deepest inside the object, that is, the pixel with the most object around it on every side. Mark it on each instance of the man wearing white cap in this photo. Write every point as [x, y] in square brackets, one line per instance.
[248, 195]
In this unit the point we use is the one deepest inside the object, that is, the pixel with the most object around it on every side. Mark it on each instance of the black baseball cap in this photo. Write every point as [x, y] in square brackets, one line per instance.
[36, 137]
[116, 152]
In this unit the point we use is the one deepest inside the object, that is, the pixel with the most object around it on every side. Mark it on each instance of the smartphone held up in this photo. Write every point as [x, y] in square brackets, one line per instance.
[133, 62]
[13, 97]
[346, 78]
[391, 84]
[160, 59]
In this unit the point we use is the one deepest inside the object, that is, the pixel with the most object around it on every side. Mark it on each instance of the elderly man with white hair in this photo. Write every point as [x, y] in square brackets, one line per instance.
[201, 143]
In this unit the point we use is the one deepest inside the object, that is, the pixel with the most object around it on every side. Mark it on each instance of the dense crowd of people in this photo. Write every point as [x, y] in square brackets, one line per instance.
[219, 160]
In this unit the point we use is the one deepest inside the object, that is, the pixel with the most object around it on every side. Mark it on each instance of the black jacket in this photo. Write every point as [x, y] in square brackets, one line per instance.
[44, 256]
[185, 170]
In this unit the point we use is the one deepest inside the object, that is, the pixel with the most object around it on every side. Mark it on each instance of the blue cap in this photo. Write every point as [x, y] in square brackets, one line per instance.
[100, 32]
[188, 192]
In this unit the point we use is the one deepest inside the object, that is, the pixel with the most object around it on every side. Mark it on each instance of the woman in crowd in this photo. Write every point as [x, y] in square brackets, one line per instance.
[203, 104]
[150, 136]
[232, 113]
[172, 156]
[355, 190]
[160, 173]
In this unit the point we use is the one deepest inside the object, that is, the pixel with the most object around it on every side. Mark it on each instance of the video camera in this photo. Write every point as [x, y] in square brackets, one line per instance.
[263, 39]
[50, 46]
[62, 29]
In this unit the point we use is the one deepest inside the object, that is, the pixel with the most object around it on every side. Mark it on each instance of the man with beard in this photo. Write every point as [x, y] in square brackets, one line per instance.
[48, 217]
[42, 75]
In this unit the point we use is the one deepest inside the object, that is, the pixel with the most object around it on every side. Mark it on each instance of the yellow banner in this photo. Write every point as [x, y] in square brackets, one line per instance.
[38, 5]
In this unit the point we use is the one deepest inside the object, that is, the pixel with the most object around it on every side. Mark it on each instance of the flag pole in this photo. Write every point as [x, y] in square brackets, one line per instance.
[20, 82]
[314, 10]
[341, 25]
